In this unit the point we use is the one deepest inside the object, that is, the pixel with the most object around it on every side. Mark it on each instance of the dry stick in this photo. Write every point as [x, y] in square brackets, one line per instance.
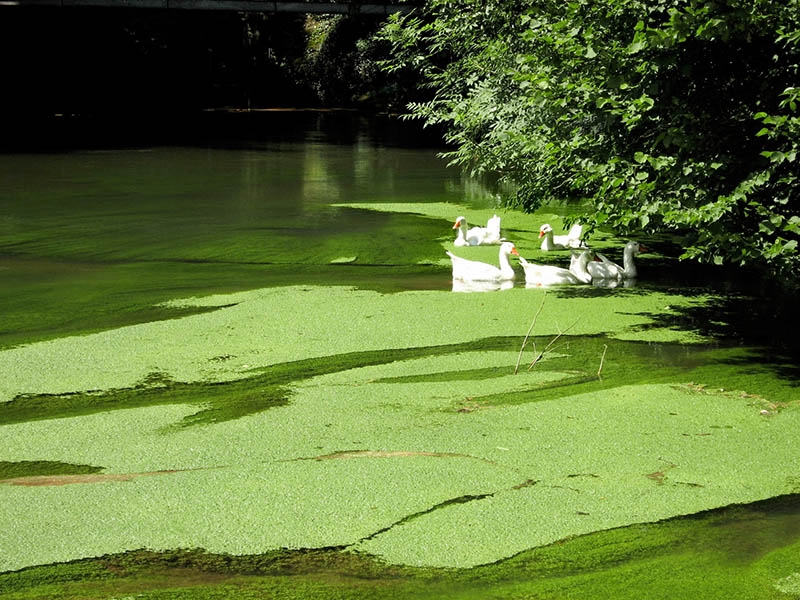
[553, 341]
[527, 335]
[602, 358]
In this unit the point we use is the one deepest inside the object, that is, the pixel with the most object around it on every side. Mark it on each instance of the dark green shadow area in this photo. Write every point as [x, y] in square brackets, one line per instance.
[741, 552]
[33, 468]
[594, 363]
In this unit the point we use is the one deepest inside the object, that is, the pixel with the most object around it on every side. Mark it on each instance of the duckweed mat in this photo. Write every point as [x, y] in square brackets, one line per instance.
[739, 553]
[193, 405]
[392, 425]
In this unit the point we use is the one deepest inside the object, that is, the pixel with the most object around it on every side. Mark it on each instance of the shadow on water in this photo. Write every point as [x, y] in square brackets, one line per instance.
[736, 308]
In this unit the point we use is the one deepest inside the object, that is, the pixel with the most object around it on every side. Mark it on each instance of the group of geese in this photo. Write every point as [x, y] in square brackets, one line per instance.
[586, 265]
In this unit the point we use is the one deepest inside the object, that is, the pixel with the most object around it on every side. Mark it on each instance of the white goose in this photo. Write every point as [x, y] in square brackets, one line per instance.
[552, 241]
[608, 270]
[537, 275]
[477, 236]
[473, 270]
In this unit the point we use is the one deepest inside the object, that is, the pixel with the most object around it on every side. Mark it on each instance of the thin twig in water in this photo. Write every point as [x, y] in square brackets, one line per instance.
[553, 341]
[527, 335]
[602, 358]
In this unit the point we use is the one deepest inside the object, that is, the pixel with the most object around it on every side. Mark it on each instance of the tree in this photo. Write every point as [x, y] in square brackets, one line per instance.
[660, 115]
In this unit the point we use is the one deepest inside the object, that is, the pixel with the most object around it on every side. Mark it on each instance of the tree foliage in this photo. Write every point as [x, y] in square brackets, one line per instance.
[341, 64]
[662, 115]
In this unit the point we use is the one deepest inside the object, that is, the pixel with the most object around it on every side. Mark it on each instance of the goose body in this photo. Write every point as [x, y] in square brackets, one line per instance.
[477, 236]
[537, 275]
[606, 269]
[552, 241]
[473, 270]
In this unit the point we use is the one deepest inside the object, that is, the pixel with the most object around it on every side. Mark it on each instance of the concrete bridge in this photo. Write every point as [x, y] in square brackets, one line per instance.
[373, 7]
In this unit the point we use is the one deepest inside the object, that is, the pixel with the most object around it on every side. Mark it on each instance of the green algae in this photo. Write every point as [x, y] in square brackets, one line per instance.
[520, 228]
[81, 293]
[236, 510]
[82, 252]
[358, 421]
[518, 464]
[573, 372]
[277, 325]
[412, 380]
[740, 552]
[527, 443]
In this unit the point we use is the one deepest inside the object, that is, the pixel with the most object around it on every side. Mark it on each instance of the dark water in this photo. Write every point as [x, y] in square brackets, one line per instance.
[93, 235]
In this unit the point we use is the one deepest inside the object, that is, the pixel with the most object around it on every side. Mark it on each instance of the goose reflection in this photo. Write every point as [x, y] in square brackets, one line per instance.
[481, 286]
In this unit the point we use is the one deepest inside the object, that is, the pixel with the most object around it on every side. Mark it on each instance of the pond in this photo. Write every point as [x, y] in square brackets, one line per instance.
[90, 235]
[259, 313]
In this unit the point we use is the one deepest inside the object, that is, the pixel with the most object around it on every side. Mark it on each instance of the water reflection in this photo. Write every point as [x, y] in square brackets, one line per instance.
[613, 283]
[481, 286]
[494, 286]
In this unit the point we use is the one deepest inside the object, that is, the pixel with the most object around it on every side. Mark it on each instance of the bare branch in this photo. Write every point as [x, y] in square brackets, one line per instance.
[553, 341]
[527, 335]
[602, 359]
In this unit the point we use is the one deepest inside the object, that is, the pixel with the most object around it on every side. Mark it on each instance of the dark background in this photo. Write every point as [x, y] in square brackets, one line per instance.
[128, 72]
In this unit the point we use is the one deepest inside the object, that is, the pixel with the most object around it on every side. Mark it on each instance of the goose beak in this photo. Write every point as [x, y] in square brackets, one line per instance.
[514, 252]
[457, 225]
[643, 248]
[541, 233]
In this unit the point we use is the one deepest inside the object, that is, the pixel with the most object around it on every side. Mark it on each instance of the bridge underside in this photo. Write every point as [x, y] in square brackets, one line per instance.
[351, 8]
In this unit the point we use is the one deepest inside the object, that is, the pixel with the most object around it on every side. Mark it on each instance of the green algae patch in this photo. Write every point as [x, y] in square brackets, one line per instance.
[516, 226]
[314, 417]
[671, 450]
[789, 585]
[377, 466]
[269, 326]
[237, 510]
[511, 221]
[741, 552]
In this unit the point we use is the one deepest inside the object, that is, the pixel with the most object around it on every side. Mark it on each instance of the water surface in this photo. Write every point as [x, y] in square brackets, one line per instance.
[92, 238]
[96, 237]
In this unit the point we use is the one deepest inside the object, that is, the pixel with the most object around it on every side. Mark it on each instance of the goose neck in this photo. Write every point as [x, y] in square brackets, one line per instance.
[629, 266]
[505, 265]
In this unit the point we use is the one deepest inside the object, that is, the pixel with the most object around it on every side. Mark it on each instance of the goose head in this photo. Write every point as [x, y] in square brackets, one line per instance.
[635, 247]
[507, 248]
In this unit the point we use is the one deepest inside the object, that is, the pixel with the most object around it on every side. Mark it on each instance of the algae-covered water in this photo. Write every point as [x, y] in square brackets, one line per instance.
[239, 367]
